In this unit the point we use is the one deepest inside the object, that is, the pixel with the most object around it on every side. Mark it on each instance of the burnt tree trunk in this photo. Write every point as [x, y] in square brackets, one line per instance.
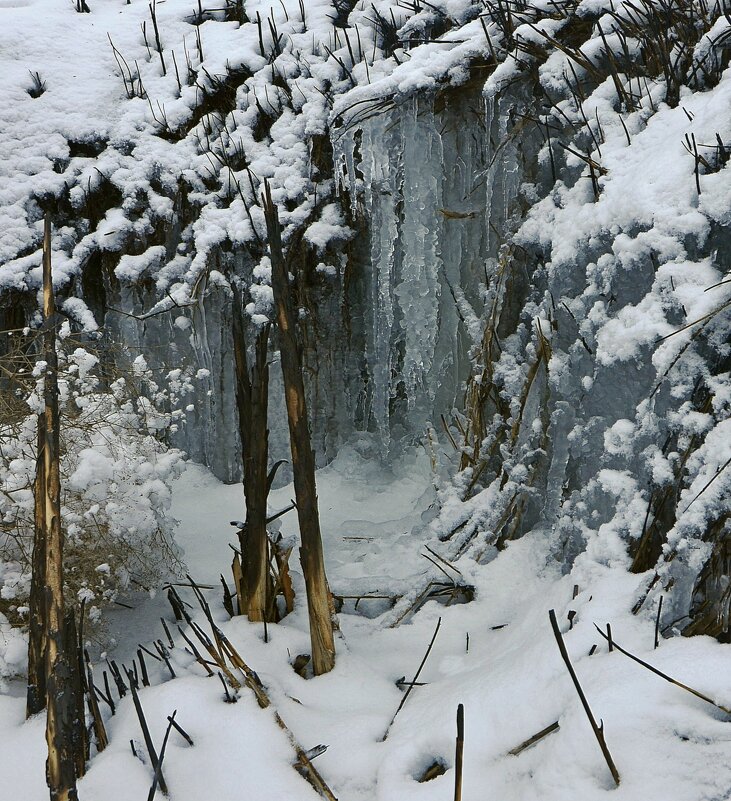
[319, 600]
[60, 770]
[79, 740]
[36, 697]
[252, 393]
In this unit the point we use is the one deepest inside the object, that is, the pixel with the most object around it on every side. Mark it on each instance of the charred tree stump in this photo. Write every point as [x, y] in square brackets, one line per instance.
[252, 392]
[319, 601]
[61, 773]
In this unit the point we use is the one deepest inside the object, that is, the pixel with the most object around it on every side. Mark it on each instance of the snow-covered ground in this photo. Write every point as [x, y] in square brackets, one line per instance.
[508, 674]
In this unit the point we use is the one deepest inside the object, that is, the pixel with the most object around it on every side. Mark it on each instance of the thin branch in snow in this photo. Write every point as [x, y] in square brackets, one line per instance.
[598, 729]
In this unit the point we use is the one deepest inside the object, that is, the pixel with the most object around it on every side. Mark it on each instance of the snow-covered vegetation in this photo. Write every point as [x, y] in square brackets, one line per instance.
[507, 226]
[116, 474]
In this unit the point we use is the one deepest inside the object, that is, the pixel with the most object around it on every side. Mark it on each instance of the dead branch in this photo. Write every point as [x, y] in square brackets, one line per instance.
[598, 729]
[666, 677]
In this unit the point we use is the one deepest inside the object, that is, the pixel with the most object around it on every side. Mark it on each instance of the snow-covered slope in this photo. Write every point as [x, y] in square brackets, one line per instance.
[496, 655]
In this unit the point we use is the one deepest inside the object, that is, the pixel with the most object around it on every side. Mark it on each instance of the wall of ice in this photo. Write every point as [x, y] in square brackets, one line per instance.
[387, 344]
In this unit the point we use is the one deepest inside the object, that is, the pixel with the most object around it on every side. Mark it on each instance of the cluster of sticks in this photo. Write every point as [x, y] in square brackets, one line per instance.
[598, 728]
[279, 582]
[234, 673]
[453, 590]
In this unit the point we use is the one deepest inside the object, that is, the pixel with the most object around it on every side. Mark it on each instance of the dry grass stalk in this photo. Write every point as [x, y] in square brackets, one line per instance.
[414, 681]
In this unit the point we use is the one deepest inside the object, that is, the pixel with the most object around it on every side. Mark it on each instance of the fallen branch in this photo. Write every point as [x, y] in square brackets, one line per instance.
[598, 729]
[413, 682]
[666, 677]
[303, 764]
[537, 737]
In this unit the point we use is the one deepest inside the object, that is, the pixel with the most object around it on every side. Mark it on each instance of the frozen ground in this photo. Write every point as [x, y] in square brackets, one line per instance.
[666, 743]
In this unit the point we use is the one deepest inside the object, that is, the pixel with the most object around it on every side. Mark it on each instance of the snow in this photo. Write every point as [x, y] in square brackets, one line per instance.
[666, 743]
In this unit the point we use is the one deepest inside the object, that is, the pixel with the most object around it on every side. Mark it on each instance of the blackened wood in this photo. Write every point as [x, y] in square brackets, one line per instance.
[319, 601]
[100, 732]
[146, 733]
[171, 642]
[657, 623]
[165, 655]
[143, 668]
[252, 394]
[181, 731]
[118, 680]
[158, 768]
[458, 754]
[228, 601]
[36, 696]
[77, 685]
[195, 652]
[176, 604]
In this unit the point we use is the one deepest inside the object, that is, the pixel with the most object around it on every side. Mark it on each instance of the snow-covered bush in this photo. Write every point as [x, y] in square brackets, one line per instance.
[115, 480]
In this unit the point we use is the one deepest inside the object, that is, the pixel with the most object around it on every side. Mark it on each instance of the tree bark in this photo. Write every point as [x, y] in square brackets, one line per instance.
[252, 395]
[79, 740]
[36, 697]
[60, 770]
[319, 600]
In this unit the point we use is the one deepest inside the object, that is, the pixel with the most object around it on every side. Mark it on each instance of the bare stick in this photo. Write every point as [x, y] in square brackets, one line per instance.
[458, 753]
[598, 729]
[412, 684]
[158, 768]
[196, 653]
[443, 560]
[657, 623]
[100, 731]
[167, 632]
[148, 738]
[534, 739]
[666, 677]
[180, 730]
[153, 14]
[165, 654]
[143, 668]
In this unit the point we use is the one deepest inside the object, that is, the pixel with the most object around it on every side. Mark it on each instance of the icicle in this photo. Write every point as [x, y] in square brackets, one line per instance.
[381, 167]
[418, 289]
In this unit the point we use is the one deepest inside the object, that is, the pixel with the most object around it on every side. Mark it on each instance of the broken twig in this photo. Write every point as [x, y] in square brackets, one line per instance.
[537, 737]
